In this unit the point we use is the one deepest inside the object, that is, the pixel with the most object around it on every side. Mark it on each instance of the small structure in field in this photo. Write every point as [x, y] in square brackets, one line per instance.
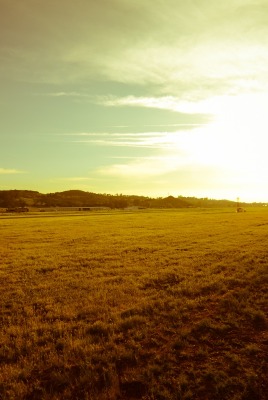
[17, 209]
[238, 208]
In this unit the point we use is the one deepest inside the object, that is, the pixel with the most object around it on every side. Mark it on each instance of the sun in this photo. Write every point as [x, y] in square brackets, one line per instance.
[234, 144]
[241, 127]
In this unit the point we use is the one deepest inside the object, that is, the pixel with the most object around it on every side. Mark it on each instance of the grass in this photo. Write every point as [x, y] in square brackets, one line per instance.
[153, 305]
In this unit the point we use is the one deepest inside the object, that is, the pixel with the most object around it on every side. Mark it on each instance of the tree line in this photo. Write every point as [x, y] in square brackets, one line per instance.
[79, 198]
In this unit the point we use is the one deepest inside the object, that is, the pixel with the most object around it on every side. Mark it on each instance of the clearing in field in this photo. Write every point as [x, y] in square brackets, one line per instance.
[144, 305]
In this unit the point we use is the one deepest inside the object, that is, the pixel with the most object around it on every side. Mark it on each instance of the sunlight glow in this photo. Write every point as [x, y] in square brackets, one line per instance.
[235, 141]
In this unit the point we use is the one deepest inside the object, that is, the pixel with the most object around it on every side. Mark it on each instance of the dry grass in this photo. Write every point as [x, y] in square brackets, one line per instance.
[146, 305]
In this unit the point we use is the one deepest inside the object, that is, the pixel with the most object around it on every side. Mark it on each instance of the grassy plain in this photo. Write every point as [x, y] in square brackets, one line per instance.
[146, 305]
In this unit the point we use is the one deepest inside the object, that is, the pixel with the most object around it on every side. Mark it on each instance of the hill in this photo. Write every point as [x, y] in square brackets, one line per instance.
[79, 198]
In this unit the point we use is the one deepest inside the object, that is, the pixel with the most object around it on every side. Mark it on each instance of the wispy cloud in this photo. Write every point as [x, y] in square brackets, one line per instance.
[67, 94]
[166, 103]
[76, 179]
[161, 140]
[170, 103]
[73, 179]
[7, 171]
[142, 167]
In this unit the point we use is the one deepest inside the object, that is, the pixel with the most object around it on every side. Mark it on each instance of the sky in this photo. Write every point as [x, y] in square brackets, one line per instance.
[145, 97]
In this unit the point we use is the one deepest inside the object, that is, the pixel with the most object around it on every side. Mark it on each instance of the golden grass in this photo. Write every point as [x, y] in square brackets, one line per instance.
[144, 305]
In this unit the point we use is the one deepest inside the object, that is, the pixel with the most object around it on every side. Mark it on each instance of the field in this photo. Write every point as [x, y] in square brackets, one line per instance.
[145, 305]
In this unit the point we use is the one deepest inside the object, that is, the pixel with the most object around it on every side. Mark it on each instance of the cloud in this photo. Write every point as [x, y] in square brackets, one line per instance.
[67, 94]
[144, 167]
[193, 70]
[187, 49]
[170, 103]
[6, 171]
[73, 179]
[76, 179]
[157, 140]
[193, 52]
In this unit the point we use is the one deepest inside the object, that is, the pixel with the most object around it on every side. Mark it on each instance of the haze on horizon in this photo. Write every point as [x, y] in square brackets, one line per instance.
[147, 97]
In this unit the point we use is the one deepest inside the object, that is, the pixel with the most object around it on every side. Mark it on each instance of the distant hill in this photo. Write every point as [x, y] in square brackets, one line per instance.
[79, 198]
